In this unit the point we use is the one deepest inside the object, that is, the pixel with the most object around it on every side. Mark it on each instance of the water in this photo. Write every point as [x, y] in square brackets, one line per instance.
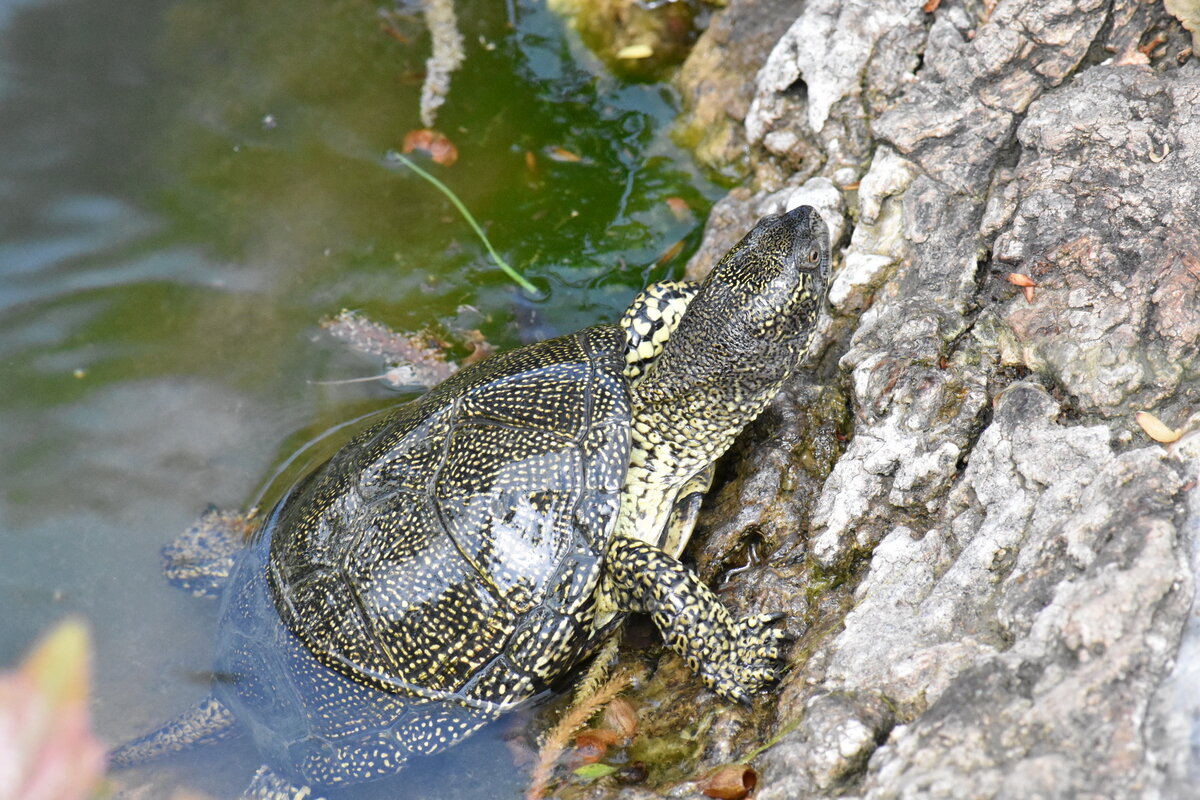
[186, 189]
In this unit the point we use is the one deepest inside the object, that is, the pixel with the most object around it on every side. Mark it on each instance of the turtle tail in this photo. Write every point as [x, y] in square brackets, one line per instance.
[206, 722]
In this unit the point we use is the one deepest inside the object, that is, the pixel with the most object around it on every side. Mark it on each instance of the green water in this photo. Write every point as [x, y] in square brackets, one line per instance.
[186, 189]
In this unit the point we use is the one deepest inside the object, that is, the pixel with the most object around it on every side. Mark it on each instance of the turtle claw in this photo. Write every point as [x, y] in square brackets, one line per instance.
[766, 618]
[740, 696]
[749, 660]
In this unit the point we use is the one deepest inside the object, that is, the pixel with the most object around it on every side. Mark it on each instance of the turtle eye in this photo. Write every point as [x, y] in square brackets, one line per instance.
[814, 255]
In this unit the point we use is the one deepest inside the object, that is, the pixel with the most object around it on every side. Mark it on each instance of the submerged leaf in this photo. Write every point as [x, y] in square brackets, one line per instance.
[436, 144]
[591, 772]
[424, 361]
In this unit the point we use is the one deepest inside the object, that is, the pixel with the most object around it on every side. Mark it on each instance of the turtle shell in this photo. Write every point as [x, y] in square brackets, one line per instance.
[453, 549]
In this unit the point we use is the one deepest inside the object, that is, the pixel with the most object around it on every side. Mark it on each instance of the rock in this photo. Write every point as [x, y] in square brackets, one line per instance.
[717, 80]
[840, 64]
[735, 214]
[991, 581]
[1114, 318]
[837, 734]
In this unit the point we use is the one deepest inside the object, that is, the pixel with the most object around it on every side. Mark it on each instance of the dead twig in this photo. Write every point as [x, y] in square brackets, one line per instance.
[556, 740]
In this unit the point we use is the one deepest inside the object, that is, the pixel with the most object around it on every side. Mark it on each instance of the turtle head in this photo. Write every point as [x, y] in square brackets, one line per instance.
[776, 278]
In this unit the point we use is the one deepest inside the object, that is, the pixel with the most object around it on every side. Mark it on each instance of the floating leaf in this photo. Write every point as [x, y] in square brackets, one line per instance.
[671, 252]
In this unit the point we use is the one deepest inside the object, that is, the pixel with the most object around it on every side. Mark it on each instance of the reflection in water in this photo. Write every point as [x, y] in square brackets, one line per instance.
[166, 253]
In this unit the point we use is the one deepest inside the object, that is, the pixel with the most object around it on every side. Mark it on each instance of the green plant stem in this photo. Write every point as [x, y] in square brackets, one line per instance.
[462, 209]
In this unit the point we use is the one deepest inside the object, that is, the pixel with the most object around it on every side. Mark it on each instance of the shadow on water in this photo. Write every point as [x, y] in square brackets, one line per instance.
[186, 189]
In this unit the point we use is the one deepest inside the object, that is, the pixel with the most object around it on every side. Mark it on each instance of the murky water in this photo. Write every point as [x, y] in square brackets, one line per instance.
[186, 189]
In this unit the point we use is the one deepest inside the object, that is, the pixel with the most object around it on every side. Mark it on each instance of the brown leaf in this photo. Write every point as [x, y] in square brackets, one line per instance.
[606, 737]
[435, 143]
[730, 782]
[589, 753]
[563, 154]
[392, 31]
[592, 743]
[1020, 279]
[1156, 429]
[931, 6]
[671, 252]
[621, 717]
[481, 348]
[679, 207]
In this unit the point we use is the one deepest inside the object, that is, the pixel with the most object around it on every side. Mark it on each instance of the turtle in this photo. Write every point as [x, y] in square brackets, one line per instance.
[475, 544]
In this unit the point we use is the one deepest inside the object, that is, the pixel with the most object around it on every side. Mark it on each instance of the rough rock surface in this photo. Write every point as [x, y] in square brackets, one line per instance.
[989, 568]
[717, 80]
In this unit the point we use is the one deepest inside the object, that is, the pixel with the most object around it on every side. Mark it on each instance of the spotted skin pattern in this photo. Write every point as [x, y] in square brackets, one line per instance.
[733, 657]
[452, 550]
[470, 548]
[650, 320]
[746, 330]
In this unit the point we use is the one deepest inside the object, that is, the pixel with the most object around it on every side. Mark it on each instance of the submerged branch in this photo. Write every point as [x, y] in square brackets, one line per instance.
[446, 58]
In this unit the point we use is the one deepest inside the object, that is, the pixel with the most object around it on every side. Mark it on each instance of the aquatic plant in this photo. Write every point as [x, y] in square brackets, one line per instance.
[517, 277]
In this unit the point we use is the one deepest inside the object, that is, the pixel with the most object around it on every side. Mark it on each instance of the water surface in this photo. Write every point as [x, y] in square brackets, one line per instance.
[186, 189]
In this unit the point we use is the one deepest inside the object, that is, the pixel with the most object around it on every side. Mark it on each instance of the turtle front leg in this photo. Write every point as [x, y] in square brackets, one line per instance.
[734, 658]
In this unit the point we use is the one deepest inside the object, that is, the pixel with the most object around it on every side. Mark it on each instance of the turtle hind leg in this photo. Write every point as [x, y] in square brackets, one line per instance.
[734, 658]
[650, 320]
[201, 558]
[267, 784]
[206, 722]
